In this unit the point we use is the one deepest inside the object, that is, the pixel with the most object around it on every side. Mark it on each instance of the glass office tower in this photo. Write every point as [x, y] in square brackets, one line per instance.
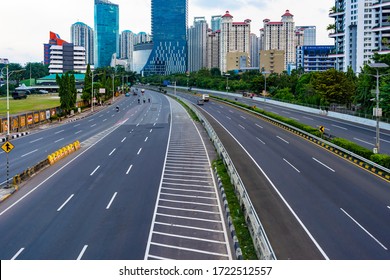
[106, 32]
[169, 31]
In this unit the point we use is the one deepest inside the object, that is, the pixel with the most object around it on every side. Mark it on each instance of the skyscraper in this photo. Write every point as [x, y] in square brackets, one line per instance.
[106, 32]
[197, 39]
[279, 35]
[169, 31]
[82, 35]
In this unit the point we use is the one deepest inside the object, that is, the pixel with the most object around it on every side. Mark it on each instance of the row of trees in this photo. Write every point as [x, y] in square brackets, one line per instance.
[328, 89]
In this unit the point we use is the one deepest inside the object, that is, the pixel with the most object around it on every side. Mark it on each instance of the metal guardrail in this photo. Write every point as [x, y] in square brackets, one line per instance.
[262, 245]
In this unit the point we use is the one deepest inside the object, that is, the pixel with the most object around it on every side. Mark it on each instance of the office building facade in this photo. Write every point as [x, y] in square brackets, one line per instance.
[106, 32]
[127, 46]
[54, 40]
[305, 36]
[67, 57]
[314, 58]
[169, 32]
[82, 35]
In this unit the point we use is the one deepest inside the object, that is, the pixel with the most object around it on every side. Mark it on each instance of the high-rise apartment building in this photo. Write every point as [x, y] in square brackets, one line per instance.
[141, 38]
[235, 37]
[106, 32]
[82, 35]
[314, 58]
[255, 51]
[169, 31]
[197, 45]
[127, 45]
[213, 50]
[305, 36]
[279, 35]
[359, 27]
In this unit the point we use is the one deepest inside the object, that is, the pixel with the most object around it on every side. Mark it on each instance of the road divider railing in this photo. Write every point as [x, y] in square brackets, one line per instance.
[63, 152]
[262, 245]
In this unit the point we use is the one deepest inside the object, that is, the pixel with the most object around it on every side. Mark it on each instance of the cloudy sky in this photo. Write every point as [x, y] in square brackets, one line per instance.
[25, 24]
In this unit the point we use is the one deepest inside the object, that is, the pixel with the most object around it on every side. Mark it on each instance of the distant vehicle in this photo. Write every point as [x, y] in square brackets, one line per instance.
[200, 101]
[205, 97]
[166, 83]
[42, 91]
[19, 94]
[127, 94]
[142, 91]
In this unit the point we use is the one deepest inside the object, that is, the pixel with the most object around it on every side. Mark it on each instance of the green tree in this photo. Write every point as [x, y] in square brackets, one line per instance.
[87, 89]
[67, 91]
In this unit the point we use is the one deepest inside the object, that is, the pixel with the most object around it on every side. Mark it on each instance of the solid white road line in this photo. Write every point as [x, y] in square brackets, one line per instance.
[17, 254]
[29, 153]
[323, 164]
[112, 199]
[128, 170]
[93, 172]
[296, 169]
[62, 206]
[283, 139]
[112, 151]
[82, 252]
[366, 231]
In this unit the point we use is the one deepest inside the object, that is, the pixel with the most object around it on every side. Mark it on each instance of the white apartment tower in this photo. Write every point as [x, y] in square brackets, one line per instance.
[213, 43]
[82, 35]
[197, 45]
[280, 35]
[235, 37]
[127, 46]
[255, 51]
[359, 29]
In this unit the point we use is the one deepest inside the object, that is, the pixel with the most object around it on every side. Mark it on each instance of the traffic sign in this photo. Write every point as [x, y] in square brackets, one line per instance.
[7, 147]
[322, 129]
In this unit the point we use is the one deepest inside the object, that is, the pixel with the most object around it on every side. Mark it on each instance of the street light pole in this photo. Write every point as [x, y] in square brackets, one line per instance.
[227, 81]
[377, 112]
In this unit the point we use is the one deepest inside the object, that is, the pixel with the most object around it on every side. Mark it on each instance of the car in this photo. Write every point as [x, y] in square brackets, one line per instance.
[127, 94]
[205, 97]
[42, 91]
[19, 94]
[200, 102]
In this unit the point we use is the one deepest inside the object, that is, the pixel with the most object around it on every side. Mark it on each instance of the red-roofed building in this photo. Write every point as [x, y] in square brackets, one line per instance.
[54, 40]
[280, 35]
[234, 38]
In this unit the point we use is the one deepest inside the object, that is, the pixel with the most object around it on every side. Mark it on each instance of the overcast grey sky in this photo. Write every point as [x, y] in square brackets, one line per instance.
[26, 24]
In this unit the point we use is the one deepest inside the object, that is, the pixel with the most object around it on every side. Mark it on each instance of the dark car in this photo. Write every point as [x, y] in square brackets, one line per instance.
[19, 94]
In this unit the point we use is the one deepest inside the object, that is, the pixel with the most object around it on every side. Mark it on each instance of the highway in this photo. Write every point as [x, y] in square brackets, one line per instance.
[101, 202]
[362, 135]
[342, 207]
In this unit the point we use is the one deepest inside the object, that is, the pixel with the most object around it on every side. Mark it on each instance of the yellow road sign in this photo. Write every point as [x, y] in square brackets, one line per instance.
[7, 147]
[322, 129]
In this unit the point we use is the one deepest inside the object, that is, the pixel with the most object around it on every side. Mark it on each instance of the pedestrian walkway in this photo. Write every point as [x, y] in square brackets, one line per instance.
[188, 221]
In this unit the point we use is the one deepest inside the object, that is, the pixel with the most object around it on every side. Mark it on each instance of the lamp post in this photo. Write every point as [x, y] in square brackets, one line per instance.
[113, 90]
[227, 81]
[8, 74]
[377, 111]
[265, 81]
[92, 93]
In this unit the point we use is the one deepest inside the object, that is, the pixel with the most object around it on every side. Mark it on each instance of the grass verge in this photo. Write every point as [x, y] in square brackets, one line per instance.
[238, 219]
[31, 103]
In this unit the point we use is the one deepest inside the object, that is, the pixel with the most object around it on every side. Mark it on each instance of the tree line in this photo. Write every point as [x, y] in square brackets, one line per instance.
[329, 90]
